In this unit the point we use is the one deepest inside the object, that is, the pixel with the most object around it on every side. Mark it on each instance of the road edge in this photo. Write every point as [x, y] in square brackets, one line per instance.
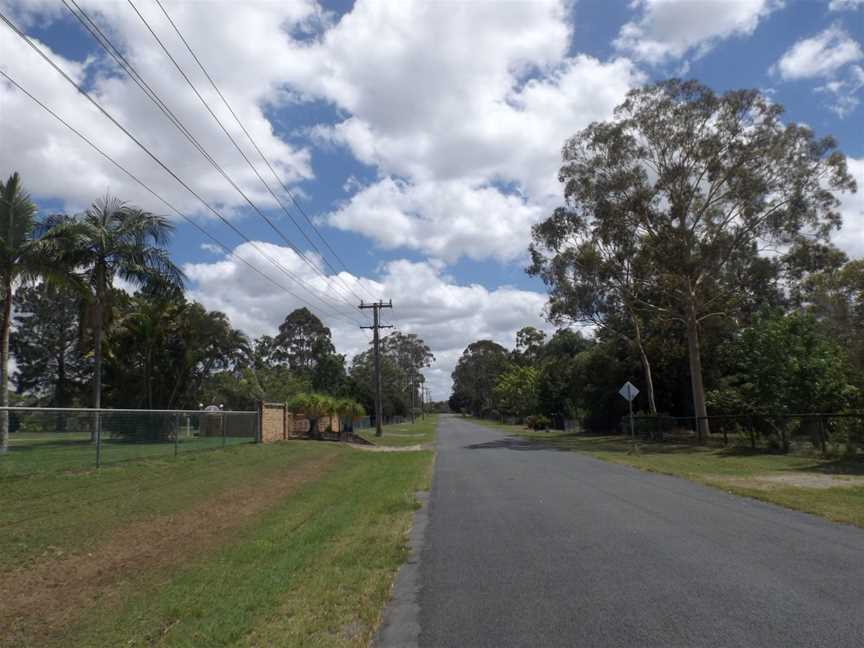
[400, 621]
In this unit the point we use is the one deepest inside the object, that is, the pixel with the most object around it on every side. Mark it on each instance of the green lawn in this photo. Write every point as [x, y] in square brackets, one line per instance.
[405, 434]
[290, 544]
[793, 481]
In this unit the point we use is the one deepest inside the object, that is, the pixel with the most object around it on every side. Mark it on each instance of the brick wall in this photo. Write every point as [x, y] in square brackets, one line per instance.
[276, 421]
[278, 424]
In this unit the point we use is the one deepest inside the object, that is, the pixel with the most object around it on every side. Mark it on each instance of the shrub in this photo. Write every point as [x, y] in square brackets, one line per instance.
[537, 422]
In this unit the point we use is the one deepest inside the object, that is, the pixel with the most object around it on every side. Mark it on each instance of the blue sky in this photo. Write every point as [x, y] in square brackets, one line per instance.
[421, 137]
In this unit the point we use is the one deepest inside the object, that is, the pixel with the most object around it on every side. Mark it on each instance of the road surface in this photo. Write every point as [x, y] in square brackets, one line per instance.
[538, 547]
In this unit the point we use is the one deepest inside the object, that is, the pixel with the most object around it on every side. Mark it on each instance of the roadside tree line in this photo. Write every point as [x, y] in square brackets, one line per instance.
[80, 341]
[693, 246]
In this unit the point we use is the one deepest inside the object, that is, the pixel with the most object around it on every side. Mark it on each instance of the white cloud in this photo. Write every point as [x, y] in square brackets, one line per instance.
[844, 95]
[447, 315]
[419, 102]
[831, 55]
[446, 219]
[55, 163]
[851, 237]
[818, 56]
[845, 5]
[670, 29]
[424, 107]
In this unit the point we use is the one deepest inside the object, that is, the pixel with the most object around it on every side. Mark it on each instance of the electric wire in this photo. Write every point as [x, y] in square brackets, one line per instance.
[179, 180]
[147, 188]
[106, 44]
[262, 156]
[207, 106]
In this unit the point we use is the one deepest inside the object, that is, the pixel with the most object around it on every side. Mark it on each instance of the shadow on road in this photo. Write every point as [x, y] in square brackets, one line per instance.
[510, 443]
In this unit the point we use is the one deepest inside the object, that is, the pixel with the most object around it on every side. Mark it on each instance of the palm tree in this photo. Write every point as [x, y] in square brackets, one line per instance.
[314, 406]
[114, 240]
[21, 260]
[351, 410]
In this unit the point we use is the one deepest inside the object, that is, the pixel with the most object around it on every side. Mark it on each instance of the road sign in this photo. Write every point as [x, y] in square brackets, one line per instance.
[629, 391]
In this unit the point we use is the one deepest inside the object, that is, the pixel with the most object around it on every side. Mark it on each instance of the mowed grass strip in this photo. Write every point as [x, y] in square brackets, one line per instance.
[421, 432]
[52, 514]
[285, 544]
[831, 488]
[315, 570]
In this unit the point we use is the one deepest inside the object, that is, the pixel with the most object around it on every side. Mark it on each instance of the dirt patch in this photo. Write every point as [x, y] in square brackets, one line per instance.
[795, 479]
[419, 447]
[404, 434]
[41, 600]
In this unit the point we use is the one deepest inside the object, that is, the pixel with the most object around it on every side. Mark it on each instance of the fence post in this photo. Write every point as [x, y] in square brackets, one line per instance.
[176, 427]
[97, 419]
[822, 436]
[259, 422]
[224, 429]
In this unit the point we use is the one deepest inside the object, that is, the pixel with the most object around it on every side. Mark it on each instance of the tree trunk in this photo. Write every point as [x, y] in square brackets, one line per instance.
[148, 377]
[97, 368]
[6, 324]
[60, 389]
[693, 352]
[646, 366]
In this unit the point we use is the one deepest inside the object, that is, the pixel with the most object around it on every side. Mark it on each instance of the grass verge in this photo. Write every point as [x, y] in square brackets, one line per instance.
[831, 488]
[421, 432]
[288, 544]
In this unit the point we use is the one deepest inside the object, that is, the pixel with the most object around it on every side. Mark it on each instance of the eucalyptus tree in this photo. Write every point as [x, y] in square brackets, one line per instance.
[113, 240]
[702, 181]
[596, 272]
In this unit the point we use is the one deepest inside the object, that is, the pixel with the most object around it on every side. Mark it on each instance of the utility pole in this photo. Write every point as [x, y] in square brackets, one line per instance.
[422, 402]
[376, 324]
[412, 399]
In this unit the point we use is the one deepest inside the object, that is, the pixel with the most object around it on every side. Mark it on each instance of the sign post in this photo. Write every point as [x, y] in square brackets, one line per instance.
[629, 392]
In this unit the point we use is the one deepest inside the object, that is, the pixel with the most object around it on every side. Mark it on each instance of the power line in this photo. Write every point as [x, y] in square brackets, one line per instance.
[141, 183]
[179, 180]
[259, 151]
[242, 153]
[106, 44]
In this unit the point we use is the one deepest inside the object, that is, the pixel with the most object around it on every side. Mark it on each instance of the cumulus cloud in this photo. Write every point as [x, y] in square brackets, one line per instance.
[851, 237]
[831, 55]
[845, 5]
[819, 55]
[670, 29]
[423, 107]
[446, 314]
[56, 164]
[446, 219]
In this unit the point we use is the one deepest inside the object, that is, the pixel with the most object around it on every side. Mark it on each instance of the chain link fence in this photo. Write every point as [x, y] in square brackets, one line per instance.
[785, 432]
[67, 438]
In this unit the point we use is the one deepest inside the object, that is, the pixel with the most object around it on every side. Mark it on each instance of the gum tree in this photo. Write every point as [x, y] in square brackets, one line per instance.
[702, 182]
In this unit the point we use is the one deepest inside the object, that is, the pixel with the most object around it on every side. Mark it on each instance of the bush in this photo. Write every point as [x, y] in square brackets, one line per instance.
[537, 422]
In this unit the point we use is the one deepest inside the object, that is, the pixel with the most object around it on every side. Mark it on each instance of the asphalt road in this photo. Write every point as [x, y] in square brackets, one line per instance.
[532, 547]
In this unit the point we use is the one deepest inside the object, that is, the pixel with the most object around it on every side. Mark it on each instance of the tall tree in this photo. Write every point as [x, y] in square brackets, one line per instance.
[21, 259]
[529, 345]
[409, 354]
[704, 180]
[50, 363]
[476, 375]
[595, 271]
[302, 341]
[114, 240]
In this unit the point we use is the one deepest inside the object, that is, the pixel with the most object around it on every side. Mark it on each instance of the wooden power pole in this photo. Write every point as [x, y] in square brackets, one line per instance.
[376, 325]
